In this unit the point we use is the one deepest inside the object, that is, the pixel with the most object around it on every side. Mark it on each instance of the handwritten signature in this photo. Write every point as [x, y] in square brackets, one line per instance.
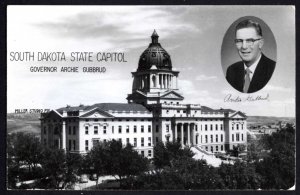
[249, 98]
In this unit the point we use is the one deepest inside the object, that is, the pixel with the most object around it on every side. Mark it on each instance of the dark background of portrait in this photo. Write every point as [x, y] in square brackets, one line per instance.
[229, 52]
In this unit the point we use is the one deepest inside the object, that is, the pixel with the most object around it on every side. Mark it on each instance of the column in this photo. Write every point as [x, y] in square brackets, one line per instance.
[175, 132]
[156, 80]
[63, 137]
[167, 81]
[194, 134]
[189, 134]
[181, 134]
[171, 81]
[160, 80]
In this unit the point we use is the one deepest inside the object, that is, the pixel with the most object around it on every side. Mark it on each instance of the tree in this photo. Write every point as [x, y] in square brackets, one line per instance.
[97, 160]
[60, 169]
[161, 156]
[25, 149]
[278, 167]
[125, 162]
[240, 175]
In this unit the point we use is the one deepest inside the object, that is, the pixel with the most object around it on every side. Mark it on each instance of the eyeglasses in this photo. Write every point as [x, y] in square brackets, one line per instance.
[249, 42]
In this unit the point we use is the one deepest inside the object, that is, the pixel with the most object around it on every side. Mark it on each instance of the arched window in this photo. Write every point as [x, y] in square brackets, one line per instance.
[154, 80]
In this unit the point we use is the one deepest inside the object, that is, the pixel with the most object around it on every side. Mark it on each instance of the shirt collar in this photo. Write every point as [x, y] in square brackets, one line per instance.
[253, 66]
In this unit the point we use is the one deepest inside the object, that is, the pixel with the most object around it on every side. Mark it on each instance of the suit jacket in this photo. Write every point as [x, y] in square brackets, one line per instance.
[236, 73]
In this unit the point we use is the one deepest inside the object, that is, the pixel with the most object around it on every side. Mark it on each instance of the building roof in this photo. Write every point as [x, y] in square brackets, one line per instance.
[207, 109]
[106, 107]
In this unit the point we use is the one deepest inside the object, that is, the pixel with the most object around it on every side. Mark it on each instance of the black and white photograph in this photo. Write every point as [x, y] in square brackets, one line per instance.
[197, 98]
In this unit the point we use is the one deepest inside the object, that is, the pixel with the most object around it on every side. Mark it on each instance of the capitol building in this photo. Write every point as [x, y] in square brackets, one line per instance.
[154, 113]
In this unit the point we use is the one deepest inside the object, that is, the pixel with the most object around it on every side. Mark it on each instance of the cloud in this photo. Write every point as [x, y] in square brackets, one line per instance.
[203, 77]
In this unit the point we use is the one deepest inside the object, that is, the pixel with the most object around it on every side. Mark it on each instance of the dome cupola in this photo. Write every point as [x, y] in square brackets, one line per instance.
[155, 55]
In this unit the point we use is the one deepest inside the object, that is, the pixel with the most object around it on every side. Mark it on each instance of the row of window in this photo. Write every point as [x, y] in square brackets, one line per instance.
[237, 137]
[135, 142]
[96, 120]
[237, 126]
[216, 148]
[217, 127]
[212, 140]
[127, 129]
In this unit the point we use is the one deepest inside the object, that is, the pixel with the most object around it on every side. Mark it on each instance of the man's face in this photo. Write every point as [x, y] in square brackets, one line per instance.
[249, 53]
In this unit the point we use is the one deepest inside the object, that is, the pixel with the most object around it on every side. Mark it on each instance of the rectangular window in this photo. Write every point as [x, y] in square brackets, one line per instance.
[221, 147]
[156, 139]
[95, 129]
[206, 148]
[232, 137]
[221, 127]
[104, 129]
[74, 144]
[206, 141]
[142, 141]
[216, 127]
[157, 129]
[167, 128]
[70, 130]
[142, 129]
[134, 129]
[149, 128]
[70, 144]
[142, 153]
[86, 130]
[205, 127]
[95, 142]
[221, 137]
[196, 127]
[212, 149]
[149, 141]
[217, 148]
[149, 153]
[217, 138]
[86, 145]
[74, 130]
[56, 143]
[113, 129]
[211, 139]
[237, 137]
[242, 137]
[120, 129]
[120, 140]
[56, 131]
[201, 139]
[237, 126]
[127, 129]
[134, 142]
[211, 127]
[127, 141]
[232, 127]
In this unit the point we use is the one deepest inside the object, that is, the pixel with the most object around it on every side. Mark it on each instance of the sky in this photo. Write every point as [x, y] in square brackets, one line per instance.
[192, 35]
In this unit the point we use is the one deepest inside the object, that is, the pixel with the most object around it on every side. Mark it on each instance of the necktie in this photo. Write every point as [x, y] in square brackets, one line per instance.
[247, 80]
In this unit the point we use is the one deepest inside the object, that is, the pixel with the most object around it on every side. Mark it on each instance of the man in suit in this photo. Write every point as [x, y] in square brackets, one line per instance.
[255, 70]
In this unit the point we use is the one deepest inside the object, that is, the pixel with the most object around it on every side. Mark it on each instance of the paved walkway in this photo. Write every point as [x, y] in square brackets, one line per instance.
[210, 159]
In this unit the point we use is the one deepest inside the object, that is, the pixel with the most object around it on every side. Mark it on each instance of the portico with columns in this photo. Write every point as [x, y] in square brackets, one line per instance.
[185, 132]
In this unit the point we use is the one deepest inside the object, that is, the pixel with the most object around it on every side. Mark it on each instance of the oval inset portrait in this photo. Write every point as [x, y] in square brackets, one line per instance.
[248, 54]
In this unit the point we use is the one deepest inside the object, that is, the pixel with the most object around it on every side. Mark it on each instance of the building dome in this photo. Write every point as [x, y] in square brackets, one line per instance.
[155, 55]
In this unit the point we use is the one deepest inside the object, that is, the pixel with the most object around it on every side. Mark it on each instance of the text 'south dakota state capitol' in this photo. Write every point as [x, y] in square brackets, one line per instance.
[72, 57]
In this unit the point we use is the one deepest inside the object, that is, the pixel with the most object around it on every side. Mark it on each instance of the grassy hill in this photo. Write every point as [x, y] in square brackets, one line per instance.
[269, 120]
[27, 122]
